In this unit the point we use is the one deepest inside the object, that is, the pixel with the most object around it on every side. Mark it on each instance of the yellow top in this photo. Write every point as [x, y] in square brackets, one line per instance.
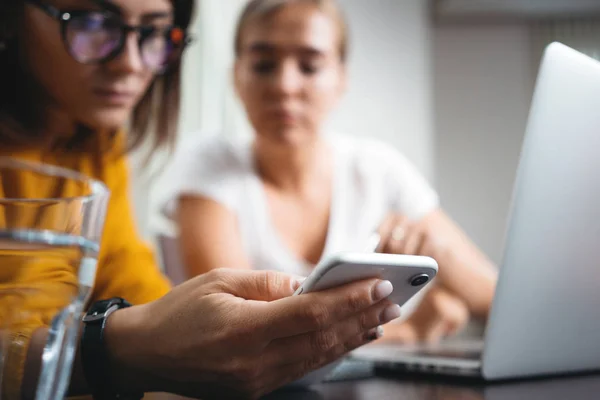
[126, 265]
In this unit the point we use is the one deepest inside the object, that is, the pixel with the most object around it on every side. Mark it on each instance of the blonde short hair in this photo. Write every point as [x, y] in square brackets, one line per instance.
[256, 9]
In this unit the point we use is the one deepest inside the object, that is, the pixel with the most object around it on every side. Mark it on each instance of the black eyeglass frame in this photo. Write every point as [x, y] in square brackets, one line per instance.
[64, 17]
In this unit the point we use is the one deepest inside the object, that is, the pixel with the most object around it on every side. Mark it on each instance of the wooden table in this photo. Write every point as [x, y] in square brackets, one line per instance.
[412, 387]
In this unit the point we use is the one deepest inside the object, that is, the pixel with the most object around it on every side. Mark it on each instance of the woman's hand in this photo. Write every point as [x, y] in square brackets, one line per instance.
[440, 314]
[236, 333]
[400, 235]
[465, 282]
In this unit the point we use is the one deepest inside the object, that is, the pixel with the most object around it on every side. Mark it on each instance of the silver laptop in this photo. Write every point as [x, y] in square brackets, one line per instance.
[545, 317]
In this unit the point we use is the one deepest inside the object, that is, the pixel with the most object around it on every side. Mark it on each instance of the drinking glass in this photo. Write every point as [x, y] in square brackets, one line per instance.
[51, 221]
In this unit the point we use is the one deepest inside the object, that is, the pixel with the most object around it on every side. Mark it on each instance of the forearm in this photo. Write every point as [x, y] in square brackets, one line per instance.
[209, 236]
[464, 269]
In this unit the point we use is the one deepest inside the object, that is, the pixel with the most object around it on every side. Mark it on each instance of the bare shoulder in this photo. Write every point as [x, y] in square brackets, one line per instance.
[193, 207]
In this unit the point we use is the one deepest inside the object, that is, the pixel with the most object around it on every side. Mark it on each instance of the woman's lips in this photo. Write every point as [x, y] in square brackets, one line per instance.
[284, 116]
[115, 97]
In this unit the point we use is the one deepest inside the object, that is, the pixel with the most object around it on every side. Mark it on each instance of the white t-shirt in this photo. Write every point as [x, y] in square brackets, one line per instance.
[370, 179]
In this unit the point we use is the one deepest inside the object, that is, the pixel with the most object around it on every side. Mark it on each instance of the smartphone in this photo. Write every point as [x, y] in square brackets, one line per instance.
[408, 274]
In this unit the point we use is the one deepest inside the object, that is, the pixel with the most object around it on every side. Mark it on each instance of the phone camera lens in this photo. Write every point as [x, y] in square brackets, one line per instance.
[419, 280]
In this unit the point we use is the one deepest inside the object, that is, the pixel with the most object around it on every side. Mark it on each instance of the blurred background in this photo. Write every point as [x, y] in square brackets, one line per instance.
[447, 82]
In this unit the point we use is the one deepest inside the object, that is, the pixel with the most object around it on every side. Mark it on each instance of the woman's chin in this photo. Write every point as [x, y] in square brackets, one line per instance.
[107, 119]
[292, 137]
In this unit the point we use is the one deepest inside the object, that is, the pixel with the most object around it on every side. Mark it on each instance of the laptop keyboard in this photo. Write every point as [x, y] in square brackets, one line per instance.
[447, 353]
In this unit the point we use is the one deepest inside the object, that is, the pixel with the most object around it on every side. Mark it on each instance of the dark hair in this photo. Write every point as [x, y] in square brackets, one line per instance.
[22, 100]
[257, 9]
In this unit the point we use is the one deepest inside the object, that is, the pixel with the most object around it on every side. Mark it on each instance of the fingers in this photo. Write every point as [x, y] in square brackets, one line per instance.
[391, 230]
[385, 231]
[413, 241]
[404, 333]
[294, 371]
[319, 310]
[298, 348]
[401, 236]
[440, 314]
[254, 285]
[454, 312]
[436, 332]
[266, 377]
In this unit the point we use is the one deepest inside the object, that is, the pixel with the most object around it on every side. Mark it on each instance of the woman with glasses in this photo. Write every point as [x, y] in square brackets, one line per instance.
[73, 73]
[295, 193]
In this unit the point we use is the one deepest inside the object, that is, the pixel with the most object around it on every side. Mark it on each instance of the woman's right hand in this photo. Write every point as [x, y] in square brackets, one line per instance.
[236, 333]
[439, 315]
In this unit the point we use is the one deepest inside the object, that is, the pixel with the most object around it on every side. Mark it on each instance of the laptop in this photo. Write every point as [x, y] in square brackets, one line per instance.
[545, 317]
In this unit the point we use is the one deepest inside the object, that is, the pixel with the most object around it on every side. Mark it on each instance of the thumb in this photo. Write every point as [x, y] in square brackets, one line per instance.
[260, 285]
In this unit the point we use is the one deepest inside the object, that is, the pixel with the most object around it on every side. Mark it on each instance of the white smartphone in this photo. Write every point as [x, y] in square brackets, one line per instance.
[408, 275]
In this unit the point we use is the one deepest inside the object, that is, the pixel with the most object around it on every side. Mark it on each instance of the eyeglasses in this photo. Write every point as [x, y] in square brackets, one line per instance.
[93, 37]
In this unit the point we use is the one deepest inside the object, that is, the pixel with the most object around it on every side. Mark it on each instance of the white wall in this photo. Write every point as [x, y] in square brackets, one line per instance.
[483, 82]
[389, 94]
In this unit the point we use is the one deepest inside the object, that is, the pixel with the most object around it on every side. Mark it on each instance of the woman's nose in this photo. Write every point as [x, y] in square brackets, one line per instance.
[288, 79]
[130, 58]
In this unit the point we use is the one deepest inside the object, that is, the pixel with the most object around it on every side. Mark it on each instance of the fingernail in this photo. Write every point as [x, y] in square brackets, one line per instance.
[372, 334]
[382, 290]
[297, 282]
[390, 313]
[375, 333]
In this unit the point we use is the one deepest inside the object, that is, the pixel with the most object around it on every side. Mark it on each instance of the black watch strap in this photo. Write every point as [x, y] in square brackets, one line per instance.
[94, 357]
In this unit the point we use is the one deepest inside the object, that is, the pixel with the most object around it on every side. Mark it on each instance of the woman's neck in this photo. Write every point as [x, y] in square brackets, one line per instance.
[292, 167]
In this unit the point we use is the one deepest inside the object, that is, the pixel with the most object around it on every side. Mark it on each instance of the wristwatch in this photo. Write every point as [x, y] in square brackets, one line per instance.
[94, 357]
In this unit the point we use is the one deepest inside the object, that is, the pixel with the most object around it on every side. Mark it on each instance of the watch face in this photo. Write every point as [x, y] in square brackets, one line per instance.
[102, 309]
